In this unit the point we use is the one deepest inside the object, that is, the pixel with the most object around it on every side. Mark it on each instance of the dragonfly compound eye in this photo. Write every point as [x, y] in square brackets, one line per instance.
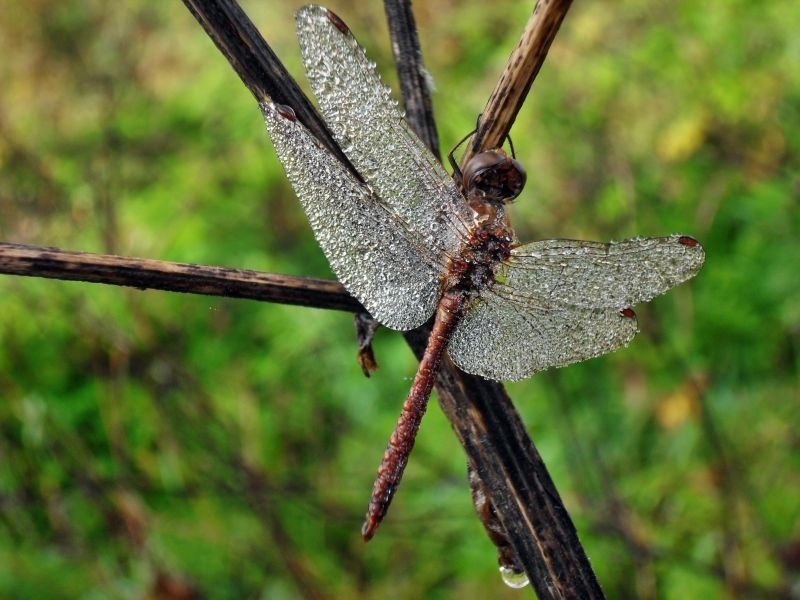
[493, 175]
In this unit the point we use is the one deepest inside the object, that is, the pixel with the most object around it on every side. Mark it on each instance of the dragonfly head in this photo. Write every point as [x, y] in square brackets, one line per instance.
[493, 176]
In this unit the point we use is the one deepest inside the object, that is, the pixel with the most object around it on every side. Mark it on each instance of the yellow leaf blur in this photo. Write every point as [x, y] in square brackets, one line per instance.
[682, 137]
[677, 408]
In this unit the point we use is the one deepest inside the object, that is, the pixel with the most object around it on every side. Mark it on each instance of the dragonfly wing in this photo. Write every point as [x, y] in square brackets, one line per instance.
[596, 275]
[373, 134]
[558, 302]
[504, 340]
[368, 249]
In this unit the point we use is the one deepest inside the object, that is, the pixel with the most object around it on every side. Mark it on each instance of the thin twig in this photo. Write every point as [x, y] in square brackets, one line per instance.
[411, 72]
[143, 273]
[521, 69]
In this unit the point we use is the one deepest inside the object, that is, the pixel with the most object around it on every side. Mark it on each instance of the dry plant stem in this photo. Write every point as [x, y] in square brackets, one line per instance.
[142, 273]
[506, 555]
[521, 69]
[411, 72]
[258, 67]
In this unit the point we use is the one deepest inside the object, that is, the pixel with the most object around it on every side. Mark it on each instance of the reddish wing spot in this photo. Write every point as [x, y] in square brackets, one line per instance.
[687, 241]
[286, 112]
[628, 312]
[337, 22]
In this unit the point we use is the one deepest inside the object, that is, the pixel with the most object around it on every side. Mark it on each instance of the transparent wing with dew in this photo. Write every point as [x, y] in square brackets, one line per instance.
[502, 340]
[558, 302]
[366, 122]
[368, 249]
[598, 275]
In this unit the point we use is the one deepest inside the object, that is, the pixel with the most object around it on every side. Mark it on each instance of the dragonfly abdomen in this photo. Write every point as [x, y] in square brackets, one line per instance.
[449, 312]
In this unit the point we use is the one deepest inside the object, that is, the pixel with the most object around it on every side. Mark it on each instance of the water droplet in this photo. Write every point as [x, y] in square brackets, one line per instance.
[513, 578]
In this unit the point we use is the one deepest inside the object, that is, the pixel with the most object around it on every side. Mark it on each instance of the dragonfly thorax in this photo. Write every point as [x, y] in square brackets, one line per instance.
[488, 245]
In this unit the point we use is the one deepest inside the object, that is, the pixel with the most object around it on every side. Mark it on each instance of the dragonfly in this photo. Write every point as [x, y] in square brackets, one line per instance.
[409, 241]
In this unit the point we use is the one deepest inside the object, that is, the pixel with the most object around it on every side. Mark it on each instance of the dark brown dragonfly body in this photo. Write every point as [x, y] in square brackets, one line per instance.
[409, 243]
[491, 179]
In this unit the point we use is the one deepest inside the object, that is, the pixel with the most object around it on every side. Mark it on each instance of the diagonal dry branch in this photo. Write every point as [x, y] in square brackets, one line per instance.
[258, 67]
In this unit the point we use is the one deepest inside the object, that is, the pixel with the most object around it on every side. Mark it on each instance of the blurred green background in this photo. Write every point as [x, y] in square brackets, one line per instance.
[155, 443]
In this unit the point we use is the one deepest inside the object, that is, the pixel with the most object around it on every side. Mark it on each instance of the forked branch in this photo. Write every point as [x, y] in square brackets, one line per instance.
[512, 472]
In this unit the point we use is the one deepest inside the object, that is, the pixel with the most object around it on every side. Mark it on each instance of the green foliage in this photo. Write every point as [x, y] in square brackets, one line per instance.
[149, 438]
